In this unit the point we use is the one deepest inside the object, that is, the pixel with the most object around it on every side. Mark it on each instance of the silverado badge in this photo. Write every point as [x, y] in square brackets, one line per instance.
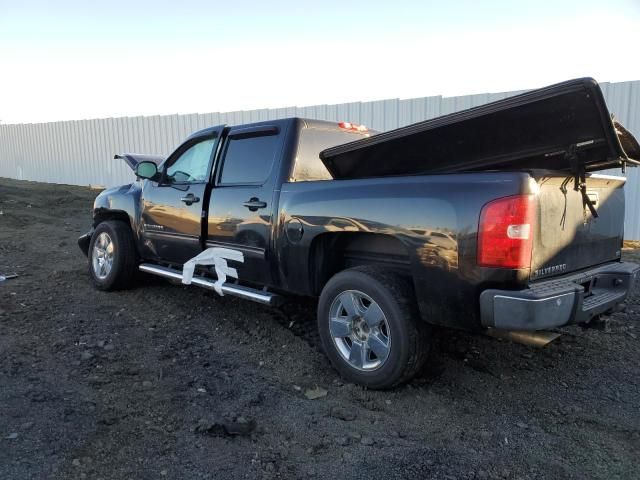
[551, 269]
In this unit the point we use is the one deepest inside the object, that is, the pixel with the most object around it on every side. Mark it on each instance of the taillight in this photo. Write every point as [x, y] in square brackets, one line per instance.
[505, 233]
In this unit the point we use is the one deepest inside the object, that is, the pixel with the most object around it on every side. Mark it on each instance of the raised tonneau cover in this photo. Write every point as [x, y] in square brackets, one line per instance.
[561, 127]
[133, 159]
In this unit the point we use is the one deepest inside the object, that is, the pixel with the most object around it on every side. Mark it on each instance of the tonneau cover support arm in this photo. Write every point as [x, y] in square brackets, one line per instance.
[580, 178]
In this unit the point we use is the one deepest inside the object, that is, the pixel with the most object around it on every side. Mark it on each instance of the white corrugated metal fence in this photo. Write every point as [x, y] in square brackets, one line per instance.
[80, 152]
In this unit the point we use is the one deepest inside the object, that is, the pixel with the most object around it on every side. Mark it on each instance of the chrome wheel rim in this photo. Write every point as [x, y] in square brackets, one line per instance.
[102, 256]
[359, 330]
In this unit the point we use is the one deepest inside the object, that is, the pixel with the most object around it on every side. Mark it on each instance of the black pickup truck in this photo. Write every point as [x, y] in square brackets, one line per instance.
[489, 218]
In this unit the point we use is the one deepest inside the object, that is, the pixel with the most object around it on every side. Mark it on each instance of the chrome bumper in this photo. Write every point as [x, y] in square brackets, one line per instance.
[573, 299]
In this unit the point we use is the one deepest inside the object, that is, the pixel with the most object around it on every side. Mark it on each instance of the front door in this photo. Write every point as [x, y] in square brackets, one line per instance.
[241, 208]
[172, 207]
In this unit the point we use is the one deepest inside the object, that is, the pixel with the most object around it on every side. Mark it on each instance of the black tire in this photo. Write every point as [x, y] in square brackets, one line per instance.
[124, 267]
[409, 334]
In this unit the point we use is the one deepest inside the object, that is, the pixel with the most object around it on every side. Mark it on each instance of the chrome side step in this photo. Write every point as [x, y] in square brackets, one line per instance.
[247, 293]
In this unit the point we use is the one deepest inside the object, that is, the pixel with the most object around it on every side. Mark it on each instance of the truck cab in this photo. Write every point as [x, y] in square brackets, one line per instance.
[219, 189]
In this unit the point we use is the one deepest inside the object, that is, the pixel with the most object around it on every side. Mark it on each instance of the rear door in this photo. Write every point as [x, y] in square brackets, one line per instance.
[570, 238]
[241, 207]
[172, 208]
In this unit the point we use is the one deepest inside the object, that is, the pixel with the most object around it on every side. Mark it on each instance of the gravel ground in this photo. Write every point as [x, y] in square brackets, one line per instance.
[166, 381]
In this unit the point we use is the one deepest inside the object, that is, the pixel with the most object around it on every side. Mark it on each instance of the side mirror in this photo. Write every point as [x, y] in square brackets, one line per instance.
[147, 170]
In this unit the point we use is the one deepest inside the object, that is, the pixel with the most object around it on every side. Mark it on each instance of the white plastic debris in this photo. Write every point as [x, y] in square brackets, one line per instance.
[216, 256]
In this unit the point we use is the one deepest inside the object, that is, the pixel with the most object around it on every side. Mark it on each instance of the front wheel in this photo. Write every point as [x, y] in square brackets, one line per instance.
[113, 259]
[370, 329]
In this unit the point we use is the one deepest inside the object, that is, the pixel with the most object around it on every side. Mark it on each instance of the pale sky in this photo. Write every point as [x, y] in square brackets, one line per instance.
[64, 60]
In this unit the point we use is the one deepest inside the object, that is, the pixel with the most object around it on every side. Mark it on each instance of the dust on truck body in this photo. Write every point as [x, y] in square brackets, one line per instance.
[492, 217]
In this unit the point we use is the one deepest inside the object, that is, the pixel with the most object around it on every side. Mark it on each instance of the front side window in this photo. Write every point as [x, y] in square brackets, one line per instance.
[248, 160]
[193, 165]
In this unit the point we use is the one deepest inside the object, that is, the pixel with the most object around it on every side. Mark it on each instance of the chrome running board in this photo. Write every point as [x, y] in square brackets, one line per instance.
[247, 293]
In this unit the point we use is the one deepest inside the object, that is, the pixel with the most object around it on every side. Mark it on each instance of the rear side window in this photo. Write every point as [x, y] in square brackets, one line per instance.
[308, 165]
[248, 160]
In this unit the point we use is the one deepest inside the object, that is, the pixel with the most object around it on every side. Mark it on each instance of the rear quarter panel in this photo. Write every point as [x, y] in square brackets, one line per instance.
[435, 218]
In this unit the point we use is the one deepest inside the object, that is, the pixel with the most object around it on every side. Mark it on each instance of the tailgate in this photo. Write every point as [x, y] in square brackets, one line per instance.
[569, 237]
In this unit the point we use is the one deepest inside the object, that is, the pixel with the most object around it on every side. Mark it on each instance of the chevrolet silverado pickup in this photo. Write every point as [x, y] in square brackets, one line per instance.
[489, 218]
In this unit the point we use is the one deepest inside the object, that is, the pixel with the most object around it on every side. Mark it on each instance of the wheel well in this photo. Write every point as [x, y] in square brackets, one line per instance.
[331, 253]
[105, 215]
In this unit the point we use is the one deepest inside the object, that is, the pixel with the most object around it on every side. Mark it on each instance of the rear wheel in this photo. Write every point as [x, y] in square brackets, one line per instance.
[370, 329]
[113, 259]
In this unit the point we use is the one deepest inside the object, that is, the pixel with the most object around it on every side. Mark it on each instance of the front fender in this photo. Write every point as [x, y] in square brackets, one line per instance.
[121, 203]
[116, 203]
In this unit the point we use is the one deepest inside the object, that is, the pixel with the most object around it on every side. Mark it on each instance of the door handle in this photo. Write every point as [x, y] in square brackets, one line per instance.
[254, 204]
[189, 199]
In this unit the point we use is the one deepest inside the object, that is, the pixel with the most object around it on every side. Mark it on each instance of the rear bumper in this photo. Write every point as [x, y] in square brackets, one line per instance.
[554, 303]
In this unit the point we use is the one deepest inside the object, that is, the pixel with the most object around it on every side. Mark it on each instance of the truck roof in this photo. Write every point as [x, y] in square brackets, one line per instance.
[308, 122]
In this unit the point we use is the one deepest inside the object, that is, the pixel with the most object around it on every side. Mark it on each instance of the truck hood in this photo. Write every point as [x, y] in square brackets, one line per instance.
[133, 159]
[561, 127]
